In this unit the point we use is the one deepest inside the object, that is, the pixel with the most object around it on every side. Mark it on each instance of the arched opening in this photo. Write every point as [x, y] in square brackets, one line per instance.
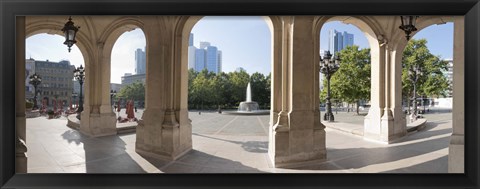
[48, 57]
[243, 55]
[366, 64]
[427, 86]
[350, 84]
[128, 76]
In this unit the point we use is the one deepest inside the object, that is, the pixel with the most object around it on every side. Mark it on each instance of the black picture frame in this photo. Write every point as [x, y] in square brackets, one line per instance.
[9, 9]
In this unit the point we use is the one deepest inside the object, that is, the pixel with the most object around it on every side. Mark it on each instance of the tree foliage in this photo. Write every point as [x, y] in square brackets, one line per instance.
[208, 90]
[134, 91]
[431, 81]
[351, 82]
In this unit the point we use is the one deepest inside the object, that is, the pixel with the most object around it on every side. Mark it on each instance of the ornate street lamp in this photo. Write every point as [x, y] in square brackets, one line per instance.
[408, 25]
[415, 72]
[35, 80]
[328, 66]
[79, 75]
[70, 31]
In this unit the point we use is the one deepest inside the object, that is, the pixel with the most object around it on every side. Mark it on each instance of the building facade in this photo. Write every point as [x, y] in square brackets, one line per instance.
[128, 79]
[449, 75]
[56, 80]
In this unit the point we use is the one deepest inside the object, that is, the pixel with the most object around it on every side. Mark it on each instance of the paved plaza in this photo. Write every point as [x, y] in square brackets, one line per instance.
[235, 144]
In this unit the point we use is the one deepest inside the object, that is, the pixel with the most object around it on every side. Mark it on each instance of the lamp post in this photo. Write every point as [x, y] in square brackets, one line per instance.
[408, 25]
[70, 31]
[328, 66]
[112, 94]
[35, 80]
[415, 72]
[79, 75]
[74, 95]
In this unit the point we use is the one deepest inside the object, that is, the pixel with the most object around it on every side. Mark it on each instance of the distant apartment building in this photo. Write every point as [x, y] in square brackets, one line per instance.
[56, 80]
[116, 87]
[449, 75]
[128, 78]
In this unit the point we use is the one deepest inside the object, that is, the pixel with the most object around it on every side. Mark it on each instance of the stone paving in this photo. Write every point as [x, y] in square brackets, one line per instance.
[234, 144]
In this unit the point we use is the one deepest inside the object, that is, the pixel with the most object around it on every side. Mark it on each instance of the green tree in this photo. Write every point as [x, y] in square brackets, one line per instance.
[260, 92]
[202, 89]
[431, 81]
[351, 82]
[134, 91]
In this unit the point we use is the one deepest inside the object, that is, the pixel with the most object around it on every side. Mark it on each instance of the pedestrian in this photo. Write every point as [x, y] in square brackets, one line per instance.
[199, 113]
[135, 109]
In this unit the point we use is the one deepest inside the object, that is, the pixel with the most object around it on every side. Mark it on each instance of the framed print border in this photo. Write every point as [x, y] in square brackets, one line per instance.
[10, 9]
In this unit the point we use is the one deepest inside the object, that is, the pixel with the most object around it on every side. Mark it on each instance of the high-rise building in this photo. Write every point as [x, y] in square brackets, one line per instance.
[140, 61]
[199, 59]
[191, 53]
[191, 56]
[219, 65]
[206, 57]
[204, 44]
[338, 41]
[190, 40]
[212, 59]
[56, 80]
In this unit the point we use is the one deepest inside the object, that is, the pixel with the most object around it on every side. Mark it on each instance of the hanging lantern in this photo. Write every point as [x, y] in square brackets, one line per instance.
[408, 25]
[70, 32]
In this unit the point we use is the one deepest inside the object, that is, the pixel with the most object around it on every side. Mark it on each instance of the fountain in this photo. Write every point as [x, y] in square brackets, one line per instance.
[248, 107]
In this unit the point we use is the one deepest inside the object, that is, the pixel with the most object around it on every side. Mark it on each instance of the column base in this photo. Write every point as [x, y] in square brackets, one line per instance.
[456, 154]
[159, 135]
[303, 143]
[21, 159]
[97, 125]
[383, 127]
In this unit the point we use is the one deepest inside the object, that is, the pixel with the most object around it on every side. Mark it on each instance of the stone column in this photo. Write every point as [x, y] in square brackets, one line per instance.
[159, 133]
[393, 123]
[456, 149]
[97, 117]
[298, 143]
[21, 148]
[372, 122]
[279, 130]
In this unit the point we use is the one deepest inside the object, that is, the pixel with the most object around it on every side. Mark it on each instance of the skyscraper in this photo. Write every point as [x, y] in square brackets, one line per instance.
[338, 41]
[212, 59]
[204, 44]
[140, 61]
[191, 53]
[190, 40]
[219, 65]
[206, 57]
[199, 59]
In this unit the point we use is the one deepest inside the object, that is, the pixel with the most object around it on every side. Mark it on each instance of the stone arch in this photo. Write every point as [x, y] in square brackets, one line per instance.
[115, 29]
[422, 23]
[367, 25]
[186, 25]
[47, 25]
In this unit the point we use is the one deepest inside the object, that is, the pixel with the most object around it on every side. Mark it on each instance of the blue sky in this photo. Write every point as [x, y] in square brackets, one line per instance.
[244, 41]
